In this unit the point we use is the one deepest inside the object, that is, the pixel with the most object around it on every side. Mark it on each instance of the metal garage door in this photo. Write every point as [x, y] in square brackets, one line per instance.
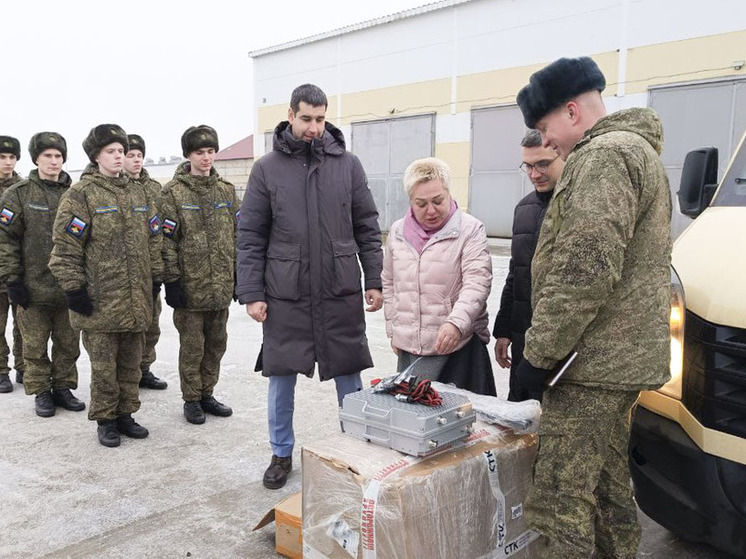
[385, 148]
[694, 116]
[495, 183]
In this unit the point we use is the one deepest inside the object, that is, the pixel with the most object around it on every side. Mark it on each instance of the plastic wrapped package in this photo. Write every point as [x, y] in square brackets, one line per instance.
[520, 417]
[370, 502]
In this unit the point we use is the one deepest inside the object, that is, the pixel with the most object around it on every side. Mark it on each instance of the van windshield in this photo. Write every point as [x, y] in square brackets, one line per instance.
[732, 191]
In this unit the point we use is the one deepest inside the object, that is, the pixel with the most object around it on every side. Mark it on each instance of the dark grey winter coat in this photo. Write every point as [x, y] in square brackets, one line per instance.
[307, 223]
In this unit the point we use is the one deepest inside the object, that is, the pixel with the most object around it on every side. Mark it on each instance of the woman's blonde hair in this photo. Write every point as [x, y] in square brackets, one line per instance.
[424, 170]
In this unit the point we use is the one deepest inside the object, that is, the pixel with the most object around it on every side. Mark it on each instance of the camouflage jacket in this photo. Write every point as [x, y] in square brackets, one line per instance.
[153, 186]
[26, 220]
[107, 239]
[601, 279]
[199, 237]
[4, 185]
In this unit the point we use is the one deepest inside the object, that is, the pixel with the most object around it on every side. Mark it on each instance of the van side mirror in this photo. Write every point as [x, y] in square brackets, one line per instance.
[699, 179]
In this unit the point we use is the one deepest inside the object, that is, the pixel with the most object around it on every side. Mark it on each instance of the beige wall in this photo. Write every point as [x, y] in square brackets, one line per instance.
[236, 172]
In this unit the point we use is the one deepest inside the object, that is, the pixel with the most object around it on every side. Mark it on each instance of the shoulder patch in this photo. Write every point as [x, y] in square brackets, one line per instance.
[154, 224]
[76, 227]
[168, 227]
[6, 216]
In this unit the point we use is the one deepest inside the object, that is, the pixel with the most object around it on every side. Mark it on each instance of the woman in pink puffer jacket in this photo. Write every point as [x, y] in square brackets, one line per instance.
[437, 275]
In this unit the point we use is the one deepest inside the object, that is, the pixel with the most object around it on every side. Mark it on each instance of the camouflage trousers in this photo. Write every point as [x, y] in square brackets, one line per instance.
[115, 372]
[5, 306]
[152, 334]
[38, 323]
[202, 341]
[582, 500]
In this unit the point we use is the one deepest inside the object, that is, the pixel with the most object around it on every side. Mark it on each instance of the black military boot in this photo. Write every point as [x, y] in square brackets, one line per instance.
[5, 384]
[126, 425]
[19, 376]
[149, 380]
[108, 435]
[44, 404]
[193, 413]
[278, 472]
[211, 405]
[65, 399]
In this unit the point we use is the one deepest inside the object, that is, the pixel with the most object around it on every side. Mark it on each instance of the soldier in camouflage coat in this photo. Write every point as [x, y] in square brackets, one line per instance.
[106, 257]
[135, 171]
[10, 153]
[29, 208]
[199, 238]
[600, 286]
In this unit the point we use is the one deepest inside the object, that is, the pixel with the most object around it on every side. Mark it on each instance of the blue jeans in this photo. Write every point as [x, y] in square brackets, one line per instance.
[281, 403]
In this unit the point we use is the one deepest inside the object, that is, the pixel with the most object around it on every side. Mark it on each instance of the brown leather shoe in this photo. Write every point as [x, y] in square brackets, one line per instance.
[278, 472]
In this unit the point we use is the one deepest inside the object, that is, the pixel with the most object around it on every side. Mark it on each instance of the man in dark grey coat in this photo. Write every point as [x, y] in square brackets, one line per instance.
[307, 223]
[543, 167]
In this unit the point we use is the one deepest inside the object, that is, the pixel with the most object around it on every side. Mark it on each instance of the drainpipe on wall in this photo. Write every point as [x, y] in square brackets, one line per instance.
[623, 49]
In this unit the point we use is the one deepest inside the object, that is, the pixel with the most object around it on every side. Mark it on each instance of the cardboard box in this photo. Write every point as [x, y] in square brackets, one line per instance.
[287, 518]
[365, 501]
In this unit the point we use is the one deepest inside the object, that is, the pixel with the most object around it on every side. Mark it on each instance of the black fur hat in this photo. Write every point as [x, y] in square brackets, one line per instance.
[556, 84]
[47, 140]
[198, 137]
[9, 144]
[103, 135]
[136, 142]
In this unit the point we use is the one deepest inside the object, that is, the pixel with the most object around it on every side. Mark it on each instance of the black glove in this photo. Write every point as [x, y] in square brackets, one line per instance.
[531, 381]
[18, 294]
[79, 301]
[156, 289]
[175, 296]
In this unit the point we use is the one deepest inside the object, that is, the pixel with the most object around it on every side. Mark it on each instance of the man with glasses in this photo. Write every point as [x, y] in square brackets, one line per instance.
[543, 167]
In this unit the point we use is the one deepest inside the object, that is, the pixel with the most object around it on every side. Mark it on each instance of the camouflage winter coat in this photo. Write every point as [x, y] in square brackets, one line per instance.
[601, 280]
[26, 220]
[107, 239]
[199, 237]
[4, 185]
[153, 186]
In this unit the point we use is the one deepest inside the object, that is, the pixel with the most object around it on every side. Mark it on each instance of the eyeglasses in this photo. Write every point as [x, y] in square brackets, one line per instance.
[541, 166]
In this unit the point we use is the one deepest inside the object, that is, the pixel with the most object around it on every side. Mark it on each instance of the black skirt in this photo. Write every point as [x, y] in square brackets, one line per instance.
[469, 368]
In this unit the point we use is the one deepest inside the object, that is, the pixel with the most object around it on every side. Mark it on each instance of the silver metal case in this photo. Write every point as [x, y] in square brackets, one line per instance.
[411, 428]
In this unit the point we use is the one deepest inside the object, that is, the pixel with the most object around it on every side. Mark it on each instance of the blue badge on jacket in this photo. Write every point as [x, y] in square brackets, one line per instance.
[6, 216]
[154, 224]
[76, 227]
[106, 210]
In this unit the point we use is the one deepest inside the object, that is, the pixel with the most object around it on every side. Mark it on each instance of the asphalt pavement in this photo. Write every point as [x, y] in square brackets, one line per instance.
[187, 490]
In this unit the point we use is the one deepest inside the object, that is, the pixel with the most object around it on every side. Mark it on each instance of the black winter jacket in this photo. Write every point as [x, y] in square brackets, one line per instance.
[514, 317]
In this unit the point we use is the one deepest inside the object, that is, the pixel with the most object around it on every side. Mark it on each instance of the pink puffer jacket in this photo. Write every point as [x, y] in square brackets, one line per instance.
[450, 281]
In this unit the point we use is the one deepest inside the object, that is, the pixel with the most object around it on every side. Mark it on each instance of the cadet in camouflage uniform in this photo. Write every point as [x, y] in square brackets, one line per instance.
[601, 287]
[10, 153]
[106, 257]
[199, 238]
[29, 208]
[135, 171]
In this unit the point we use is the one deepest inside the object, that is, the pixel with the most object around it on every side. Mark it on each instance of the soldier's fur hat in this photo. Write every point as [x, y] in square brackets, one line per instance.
[9, 144]
[198, 137]
[103, 135]
[556, 84]
[47, 140]
[136, 142]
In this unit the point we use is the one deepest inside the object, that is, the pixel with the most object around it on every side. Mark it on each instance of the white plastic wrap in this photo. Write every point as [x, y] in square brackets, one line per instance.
[369, 502]
[521, 417]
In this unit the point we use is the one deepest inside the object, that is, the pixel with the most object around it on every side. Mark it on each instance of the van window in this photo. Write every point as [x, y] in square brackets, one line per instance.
[732, 191]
